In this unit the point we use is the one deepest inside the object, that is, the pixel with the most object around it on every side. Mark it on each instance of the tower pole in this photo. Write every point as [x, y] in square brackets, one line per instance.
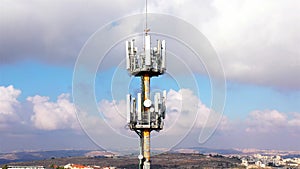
[141, 163]
[146, 136]
[146, 132]
[144, 115]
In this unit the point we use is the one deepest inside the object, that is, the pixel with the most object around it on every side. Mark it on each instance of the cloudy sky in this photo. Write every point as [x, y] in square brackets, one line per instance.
[43, 42]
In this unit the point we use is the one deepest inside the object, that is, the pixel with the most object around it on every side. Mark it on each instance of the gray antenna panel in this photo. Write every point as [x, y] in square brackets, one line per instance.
[159, 47]
[147, 51]
[156, 102]
[139, 104]
[128, 105]
[131, 47]
[163, 54]
[127, 56]
[133, 118]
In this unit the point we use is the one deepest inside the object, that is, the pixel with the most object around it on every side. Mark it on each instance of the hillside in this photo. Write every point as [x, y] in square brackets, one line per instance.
[165, 161]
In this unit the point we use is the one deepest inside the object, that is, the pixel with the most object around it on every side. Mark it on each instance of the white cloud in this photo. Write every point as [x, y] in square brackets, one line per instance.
[114, 114]
[182, 108]
[8, 104]
[185, 112]
[295, 121]
[263, 129]
[8, 100]
[53, 115]
[263, 121]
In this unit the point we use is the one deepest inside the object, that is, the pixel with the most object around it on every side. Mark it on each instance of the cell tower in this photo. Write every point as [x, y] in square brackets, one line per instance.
[146, 113]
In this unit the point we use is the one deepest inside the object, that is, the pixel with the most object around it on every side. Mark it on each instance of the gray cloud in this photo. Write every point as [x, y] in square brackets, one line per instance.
[53, 31]
[257, 41]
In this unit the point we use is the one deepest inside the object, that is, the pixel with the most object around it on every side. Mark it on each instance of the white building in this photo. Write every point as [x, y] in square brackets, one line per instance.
[244, 162]
[25, 167]
[260, 164]
[77, 166]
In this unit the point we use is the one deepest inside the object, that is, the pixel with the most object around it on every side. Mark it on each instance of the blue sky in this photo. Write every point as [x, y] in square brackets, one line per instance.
[30, 77]
[256, 41]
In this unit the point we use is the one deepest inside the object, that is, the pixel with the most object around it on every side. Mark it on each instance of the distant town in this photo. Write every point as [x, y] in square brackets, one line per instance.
[179, 158]
[265, 161]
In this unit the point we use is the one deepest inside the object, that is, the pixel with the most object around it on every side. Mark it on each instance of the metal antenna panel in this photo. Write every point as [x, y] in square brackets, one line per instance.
[151, 119]
[151, 60]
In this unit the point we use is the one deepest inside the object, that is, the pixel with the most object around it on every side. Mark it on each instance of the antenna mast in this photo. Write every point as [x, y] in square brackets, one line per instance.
[146, 15]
